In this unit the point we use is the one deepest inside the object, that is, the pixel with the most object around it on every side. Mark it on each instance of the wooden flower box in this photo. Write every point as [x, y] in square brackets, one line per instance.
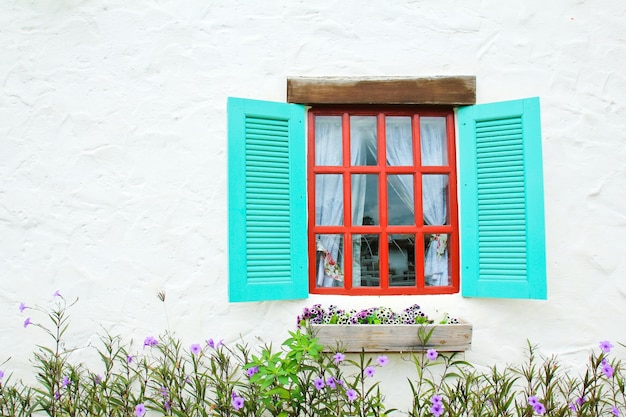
[394, 337]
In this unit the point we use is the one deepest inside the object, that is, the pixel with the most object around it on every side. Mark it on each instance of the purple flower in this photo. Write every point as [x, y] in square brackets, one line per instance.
[97, 379]
[580, 401]
[1, 374]
[140, 410]
[167, 405]
[432, 354]
[369, 371]
[23, 307]
[607, 369]
[606, 346]
[382, 360]
[318, 383]
[150, 341]
[57, 293]
[572, 406]
[436, 409]
[237, 402]
[436, 399]
[27, 322]
[252, 371]
[164, 392]
[615, 411]
[331, 382]
[338, 358]
[195, 348]
[539, 409]
[57, 395]
[214, 345]
[66, 382]
[351, 394]
[129, 359]
[532, 401]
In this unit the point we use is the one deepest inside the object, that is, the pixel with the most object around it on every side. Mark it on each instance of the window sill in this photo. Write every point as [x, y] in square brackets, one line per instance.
[394, 337]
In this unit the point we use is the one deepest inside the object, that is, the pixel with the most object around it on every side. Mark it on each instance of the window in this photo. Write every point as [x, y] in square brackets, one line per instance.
[382, 201]
[500, 233]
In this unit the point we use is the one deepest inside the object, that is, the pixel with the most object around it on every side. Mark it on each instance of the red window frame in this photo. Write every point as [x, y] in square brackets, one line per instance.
[419, 229]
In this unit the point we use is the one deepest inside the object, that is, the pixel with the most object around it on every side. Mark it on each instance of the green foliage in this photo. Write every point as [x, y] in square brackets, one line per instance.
[297, 379]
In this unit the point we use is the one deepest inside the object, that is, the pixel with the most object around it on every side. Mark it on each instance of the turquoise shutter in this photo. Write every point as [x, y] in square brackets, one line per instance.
[266, 201]
[502, 217]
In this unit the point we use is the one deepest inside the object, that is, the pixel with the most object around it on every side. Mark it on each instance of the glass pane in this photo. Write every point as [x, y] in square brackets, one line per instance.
[329, 200]
[434, 141]
[328, 149]
[363, 140]
[365, 261]
[435, 199]
[365, 199]
[399, 140]
[329, 261]
[400, 203]
[402, 260]
[436, 260]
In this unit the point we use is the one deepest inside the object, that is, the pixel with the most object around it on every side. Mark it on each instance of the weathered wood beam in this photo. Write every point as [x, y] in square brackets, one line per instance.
[441, 90]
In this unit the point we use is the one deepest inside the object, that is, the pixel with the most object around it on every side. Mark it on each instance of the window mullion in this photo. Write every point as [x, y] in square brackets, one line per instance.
[347, 200]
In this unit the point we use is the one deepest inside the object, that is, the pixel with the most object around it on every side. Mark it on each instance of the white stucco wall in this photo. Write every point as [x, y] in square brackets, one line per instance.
[113, 163]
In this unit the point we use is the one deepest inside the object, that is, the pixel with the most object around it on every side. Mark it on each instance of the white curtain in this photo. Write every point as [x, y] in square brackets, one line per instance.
[329, 198]
[434, 187]
[329, 188]
[435, 198]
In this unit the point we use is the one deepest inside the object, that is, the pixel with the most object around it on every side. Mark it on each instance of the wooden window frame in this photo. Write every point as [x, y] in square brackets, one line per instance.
[419, 229]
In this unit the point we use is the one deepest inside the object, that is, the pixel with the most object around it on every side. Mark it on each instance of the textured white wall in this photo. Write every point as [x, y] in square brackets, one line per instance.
[113, 164]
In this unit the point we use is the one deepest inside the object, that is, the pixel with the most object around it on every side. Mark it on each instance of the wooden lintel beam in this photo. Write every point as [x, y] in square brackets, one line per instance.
[440, 90]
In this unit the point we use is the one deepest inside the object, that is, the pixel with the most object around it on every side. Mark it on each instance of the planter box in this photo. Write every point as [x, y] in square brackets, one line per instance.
[394, 337]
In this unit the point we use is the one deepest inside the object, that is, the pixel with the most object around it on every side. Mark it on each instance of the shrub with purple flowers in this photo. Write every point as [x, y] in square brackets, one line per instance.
[164, 377]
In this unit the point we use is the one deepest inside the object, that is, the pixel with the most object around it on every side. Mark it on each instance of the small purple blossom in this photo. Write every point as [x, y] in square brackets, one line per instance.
[382, 360]
[607, 369]
[369, 371]
[436, 409]
[27, 322]
[581, 400]
[318, 383]
[97, 379]
[129, 358]
[164, 392]
[606, 346]
[1, 374]
[615, 411]
[572, 406]
[237, 402]
[23, 307]
[195, 349]
[351, 394]
[66, 382]
[57, 293]
[57, 395]
[211, 343]
[539, 409]
[251, 371]
[432, 354]
[338, 358]
[532, 401]
[150, 341]
[331, 382]
[140, 410]
[436, 399]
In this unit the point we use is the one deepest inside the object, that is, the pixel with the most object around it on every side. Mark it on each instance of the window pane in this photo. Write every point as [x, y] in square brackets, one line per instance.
[329, 261]
[401, 260]
[400, 203]
[436, 260]
[433, 140]
[365, 199]
[435, 199]
[399, 141]
[363, 140]
[328, 149]
[329, 200]
[365, 261]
